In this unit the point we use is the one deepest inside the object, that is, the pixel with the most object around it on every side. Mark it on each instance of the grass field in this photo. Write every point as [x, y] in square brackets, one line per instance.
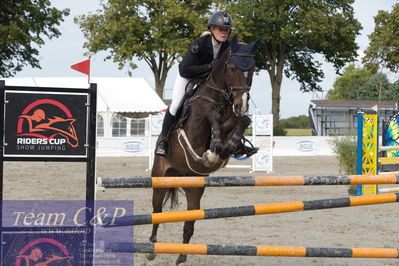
[299, 131]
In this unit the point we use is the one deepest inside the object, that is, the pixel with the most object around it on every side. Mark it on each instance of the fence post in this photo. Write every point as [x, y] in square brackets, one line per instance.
[367, 151]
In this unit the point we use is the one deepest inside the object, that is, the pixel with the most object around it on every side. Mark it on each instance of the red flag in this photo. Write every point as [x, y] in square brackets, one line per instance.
[83, 67]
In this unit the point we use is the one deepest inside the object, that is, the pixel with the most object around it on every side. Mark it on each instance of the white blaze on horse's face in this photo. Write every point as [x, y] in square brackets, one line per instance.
[244, 107]
[241, 108]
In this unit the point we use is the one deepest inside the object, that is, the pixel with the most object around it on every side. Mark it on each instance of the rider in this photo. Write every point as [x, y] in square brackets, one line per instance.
[200, 59]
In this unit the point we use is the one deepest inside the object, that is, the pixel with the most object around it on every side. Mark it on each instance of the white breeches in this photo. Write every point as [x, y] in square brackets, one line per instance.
[179, 90]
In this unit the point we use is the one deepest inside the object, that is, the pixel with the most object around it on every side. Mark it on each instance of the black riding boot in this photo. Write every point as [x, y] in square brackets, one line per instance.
[162, 147]
[245, 150]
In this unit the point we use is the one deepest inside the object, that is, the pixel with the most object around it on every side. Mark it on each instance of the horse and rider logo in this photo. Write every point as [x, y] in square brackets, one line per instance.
[37, 121]
[44, 251]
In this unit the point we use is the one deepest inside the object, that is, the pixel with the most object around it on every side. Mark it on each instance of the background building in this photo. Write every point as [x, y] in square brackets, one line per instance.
[337, 118]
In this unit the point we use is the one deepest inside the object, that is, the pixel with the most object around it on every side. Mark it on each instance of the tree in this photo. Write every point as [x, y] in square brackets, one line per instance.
[346, 87]
[378, 88]
[358, 83]
[293, 32]
[383, 50]
[157, 32]
[301, 121]
[23, 25]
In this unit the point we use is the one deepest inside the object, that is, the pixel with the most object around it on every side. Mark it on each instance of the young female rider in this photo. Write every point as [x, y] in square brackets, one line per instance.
[200, 58]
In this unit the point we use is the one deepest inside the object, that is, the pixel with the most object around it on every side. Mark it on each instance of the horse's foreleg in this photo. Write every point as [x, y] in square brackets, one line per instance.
[231, 145]
[211, 156]
[158, 196]
[216, 143]
[193, 196]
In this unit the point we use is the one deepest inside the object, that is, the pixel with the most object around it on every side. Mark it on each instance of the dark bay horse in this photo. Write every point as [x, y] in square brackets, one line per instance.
[211, 133]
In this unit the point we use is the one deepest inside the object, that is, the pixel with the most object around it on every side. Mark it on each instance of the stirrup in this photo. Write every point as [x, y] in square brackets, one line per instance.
[250, 150]
[245, 150]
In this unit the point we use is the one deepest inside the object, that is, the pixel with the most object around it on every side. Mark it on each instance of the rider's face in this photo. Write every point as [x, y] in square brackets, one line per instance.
[220, 34]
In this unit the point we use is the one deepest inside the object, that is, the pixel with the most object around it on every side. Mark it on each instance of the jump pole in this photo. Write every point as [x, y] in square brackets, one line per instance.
[234, 181]
[388, 190]
[193, 215]
[235, 250]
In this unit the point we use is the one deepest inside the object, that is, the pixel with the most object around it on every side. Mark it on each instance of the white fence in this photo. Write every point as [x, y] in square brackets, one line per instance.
[262, 137]
[145, 145]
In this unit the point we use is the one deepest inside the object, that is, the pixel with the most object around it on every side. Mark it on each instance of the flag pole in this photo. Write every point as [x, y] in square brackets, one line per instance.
[88, 76]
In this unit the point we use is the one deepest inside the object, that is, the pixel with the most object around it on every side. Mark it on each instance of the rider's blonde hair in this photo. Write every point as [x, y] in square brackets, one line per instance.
[205, 33]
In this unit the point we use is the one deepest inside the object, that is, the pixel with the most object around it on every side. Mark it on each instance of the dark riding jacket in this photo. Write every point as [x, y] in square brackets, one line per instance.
[199, 57]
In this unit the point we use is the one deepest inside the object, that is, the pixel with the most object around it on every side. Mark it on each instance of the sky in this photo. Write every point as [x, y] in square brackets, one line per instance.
[57, 55]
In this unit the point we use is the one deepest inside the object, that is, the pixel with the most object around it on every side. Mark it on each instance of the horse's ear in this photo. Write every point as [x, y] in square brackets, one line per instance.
[255, 46]
[234, 44]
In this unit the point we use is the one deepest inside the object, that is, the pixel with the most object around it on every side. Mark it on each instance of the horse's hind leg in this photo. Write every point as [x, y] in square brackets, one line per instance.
[193, 196]
[158, 196]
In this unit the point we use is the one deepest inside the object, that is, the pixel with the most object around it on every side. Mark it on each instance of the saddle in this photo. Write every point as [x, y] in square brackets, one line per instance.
[184, 108]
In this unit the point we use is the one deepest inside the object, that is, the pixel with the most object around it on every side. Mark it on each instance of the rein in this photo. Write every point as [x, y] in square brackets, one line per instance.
[241, 54]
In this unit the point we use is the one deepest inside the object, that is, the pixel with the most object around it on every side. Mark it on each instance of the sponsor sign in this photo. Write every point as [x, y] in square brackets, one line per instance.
[262, 161]
[263, 125]
[306, 146]
[133, 146]
[45, 124]
[156, 124]
[59, 233]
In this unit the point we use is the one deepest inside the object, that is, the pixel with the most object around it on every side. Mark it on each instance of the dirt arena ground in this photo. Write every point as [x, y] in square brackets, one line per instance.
[367, 226]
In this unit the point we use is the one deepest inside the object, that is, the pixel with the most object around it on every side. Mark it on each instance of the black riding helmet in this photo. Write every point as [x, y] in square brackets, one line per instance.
[220, 19]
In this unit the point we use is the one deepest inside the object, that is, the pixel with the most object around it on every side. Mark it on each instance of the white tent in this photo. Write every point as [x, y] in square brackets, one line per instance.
[130, 95]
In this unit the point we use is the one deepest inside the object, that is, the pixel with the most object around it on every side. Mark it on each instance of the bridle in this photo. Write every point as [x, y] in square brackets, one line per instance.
[228, 95]
[241, 88]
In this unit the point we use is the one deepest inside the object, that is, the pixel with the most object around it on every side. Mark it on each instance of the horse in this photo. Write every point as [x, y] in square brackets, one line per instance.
[211, 133]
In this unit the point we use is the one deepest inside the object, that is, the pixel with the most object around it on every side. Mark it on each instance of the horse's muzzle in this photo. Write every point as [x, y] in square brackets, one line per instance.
[240, 104]
[240, 109]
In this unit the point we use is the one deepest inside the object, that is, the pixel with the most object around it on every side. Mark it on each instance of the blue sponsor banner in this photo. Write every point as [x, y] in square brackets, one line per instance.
[60, 232]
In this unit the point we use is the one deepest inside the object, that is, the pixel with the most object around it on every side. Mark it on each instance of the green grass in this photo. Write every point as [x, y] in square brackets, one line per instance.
[299, 131]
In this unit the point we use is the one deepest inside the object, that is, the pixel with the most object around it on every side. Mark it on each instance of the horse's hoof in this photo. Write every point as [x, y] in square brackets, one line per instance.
[208, 164]
[150, 256]
[181, 259]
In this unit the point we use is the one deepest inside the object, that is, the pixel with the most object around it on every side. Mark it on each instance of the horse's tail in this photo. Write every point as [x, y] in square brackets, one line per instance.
[173, 195]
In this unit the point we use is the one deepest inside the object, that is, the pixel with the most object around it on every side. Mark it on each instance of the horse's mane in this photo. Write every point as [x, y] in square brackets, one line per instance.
[220, 63]
[222, 60]
[240, 54]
